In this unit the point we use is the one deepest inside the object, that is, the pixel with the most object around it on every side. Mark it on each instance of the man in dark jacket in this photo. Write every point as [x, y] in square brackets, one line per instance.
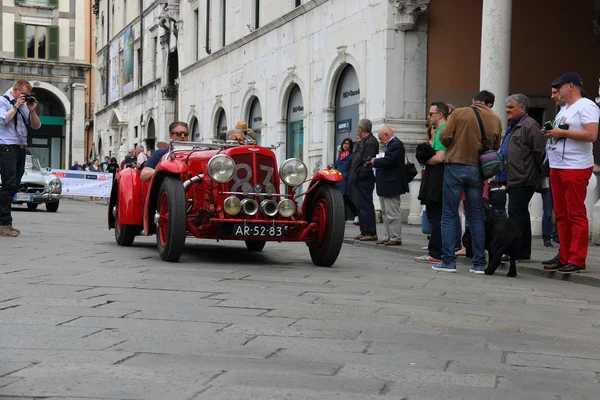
[363, 178]
[523, 148]
[391, 183]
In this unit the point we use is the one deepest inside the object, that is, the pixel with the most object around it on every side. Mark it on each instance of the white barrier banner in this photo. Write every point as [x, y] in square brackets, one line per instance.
[85, 183]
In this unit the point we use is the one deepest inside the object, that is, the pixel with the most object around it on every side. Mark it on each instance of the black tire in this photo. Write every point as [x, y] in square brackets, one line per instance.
[326, 246]
[124, 234]
[255, 245]
[52, 207]
[32, 206]
[171, 228]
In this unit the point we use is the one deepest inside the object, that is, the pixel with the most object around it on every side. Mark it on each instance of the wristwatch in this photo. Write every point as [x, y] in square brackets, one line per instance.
[15, 107]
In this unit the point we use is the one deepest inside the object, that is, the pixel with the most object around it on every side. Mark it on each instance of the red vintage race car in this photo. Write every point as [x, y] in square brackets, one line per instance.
[229, 192]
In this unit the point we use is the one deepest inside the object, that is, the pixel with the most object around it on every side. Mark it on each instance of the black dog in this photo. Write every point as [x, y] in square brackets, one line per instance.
[502, 236]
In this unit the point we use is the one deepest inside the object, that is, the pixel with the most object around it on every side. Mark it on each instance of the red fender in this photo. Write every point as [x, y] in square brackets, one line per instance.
[164, 168]
[322, 177]
[130, 205]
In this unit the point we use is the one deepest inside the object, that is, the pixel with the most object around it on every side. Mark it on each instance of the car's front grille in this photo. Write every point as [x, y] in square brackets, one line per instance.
[31, 188]
[259, 178]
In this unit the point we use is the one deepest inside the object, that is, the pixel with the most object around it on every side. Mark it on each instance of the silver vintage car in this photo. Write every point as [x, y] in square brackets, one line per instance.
[38, 186]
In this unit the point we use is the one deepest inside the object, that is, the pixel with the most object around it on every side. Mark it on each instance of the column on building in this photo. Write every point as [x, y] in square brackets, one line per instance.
[405, 82]
[78, 121]
[495, 51]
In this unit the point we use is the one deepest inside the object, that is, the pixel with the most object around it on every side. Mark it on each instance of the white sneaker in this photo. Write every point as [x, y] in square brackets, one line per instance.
[355, 221]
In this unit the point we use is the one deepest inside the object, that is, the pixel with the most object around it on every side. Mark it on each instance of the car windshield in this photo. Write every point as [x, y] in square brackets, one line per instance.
[32, 164]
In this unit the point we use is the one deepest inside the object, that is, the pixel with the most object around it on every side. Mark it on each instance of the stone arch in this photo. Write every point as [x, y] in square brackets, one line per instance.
[55, 91]
[218, 106]
[334, 74]
[249, 96]
[286, 90]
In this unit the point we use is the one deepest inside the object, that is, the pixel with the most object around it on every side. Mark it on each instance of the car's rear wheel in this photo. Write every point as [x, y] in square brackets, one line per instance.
[172, 219]
[124, 234]
[52, 207]
[255, 245]
[327, 211]
[32, 206]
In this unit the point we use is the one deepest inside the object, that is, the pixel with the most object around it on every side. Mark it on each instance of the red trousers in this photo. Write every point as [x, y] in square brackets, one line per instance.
[569, 188]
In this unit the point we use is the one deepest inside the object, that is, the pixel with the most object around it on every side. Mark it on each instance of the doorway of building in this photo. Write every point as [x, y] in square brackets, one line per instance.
[47, 142]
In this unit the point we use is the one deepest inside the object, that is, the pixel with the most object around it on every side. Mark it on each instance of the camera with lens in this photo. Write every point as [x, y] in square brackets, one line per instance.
[29, 98]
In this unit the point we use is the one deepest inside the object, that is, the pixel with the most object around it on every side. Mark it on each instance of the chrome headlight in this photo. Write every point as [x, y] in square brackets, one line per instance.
[221, 168]
[232, 205]
[287, 208]
[293, 172]
[55, 185]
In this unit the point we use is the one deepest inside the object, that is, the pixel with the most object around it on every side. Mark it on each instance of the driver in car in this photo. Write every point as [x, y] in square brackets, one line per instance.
[177, 131]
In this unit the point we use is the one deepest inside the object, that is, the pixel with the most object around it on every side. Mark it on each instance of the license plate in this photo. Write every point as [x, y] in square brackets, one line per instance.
[23, 197]
[258, 230]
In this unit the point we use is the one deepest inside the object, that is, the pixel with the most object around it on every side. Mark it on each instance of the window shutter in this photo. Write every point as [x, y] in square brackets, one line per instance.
[53, 3]
[53, 43]
[19, 40]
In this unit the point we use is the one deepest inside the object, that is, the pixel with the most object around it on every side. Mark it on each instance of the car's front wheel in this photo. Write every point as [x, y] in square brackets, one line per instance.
[327, 211]
[172, 219]
[51, 207]
[32, 206]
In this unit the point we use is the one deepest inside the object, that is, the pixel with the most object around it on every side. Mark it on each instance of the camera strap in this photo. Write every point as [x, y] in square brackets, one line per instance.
[13, 102]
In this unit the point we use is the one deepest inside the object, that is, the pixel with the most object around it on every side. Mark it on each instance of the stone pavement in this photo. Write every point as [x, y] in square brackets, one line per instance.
[413, 240]
[82, 318]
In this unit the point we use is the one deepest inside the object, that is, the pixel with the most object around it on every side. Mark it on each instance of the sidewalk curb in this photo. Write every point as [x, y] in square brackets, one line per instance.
[522, 268]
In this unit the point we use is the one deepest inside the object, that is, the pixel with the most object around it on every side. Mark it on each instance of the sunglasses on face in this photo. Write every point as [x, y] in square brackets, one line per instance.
[181, 134]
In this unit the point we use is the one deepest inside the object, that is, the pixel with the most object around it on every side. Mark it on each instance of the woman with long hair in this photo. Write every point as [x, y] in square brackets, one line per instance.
[342, 164]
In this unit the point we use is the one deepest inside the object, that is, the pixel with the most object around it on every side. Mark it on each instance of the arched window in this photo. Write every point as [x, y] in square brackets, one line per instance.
[255, 120]
[151, 135]
[347, 100]
[195, 130]
[295, 125]
[221, 124]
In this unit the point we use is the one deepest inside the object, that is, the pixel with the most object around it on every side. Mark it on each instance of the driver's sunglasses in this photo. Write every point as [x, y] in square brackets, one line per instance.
[181, 134]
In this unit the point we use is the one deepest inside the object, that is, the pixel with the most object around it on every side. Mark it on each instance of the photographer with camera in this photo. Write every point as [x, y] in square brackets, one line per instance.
[17, 115]
[569, 150]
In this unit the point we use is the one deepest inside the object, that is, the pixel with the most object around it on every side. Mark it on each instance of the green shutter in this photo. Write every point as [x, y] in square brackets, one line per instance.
[20, 40]
[53, 43]
[53, 3]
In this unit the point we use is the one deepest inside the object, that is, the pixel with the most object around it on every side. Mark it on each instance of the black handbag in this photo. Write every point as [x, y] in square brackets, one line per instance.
[411, 170]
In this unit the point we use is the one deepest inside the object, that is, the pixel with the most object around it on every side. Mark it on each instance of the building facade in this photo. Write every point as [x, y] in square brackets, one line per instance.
[303, 72]
[44, 41]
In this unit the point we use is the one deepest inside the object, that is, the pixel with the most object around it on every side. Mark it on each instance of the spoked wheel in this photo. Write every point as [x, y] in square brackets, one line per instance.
[171, 226]
[328, 213]
[52, 207]
[255, 245]
[124, 234]
[32, 206]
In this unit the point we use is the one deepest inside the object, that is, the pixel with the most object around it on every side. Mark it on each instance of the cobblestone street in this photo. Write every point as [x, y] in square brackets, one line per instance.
[82, 318]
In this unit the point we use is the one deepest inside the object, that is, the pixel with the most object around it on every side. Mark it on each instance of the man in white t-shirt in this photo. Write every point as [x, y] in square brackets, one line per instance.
[571, 164]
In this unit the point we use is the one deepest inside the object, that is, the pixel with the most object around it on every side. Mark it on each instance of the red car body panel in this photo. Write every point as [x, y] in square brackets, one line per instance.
[129, 206]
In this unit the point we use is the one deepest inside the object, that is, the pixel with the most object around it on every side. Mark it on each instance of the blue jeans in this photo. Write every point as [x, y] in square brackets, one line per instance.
[547, 231]
[459, 178]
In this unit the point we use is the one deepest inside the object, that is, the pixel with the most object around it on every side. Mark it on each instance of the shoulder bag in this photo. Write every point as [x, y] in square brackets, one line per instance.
[490, 161]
